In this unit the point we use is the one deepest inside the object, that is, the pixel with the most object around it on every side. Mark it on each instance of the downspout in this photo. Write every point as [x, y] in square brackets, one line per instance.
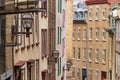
[111, 46]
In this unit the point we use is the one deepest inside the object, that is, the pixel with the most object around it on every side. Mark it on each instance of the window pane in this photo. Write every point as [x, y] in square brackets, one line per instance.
[78, 53]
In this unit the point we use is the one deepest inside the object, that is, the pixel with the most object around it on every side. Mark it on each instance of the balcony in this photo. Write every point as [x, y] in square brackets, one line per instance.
[79, 17]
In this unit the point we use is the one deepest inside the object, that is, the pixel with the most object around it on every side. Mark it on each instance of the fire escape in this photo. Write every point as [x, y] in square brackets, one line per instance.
[9, 7]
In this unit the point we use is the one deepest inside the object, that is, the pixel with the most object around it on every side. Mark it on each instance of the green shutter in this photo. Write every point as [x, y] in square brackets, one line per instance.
[58, 66]
[60, 34]
[60, 6]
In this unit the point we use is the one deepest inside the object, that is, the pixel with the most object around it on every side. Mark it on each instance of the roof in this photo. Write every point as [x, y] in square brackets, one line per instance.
[90, 2]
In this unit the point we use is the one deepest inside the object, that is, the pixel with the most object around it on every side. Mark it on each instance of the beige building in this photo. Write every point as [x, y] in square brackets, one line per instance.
[91, 43]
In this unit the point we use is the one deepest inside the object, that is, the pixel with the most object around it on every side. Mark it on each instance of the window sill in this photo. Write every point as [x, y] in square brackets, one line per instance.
[97, 39]
[104, 40]
[78, 59]
[73, 39]
[84, 39]
[96, 19]
[104, 19]
[73, 58]
[90, 61]
[78, 39]
[73, 78]
[90, 39]
[96, 62]
[90, 19]
[104, 63]
[84, 60]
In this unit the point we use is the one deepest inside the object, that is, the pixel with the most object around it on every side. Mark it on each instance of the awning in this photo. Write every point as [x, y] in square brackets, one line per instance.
[30, 60]
[20, 63]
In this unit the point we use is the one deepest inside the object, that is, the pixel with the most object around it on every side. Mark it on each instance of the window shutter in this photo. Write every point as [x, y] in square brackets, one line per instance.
[60, 6]
[60, 34]
[58, 66]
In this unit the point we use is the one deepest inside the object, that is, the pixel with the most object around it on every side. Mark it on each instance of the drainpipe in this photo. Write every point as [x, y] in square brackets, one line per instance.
[111, 46]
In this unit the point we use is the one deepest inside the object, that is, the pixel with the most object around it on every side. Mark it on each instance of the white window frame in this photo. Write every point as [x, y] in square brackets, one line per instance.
[78, 73]
[73, 72]
[84, 54]
[73, 53]
[97, 55]
[97, 33]
[97, 75]
[90, 33]
[73, 34]
[104, 13]
[104, 56]
[104, 34]
[90, 13]
[90, 54]
[97, 12]
[90, 74]
[78, 33]
[84, 34]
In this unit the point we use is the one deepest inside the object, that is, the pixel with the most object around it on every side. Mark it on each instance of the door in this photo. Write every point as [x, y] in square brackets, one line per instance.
[84, 74]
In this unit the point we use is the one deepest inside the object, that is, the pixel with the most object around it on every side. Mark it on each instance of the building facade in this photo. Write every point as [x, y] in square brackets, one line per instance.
[63, 36]
[31, 52]
[79, 37]
[91, 42]
[98, 20]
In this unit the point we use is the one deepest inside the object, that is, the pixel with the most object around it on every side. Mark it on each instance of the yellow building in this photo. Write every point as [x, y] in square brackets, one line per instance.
[91, 43]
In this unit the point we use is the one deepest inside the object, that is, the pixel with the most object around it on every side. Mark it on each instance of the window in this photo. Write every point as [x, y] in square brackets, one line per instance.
[97, 75]
[59, 35]
[97, 55]
[78, 74]
[90, 13]
[90, 54]
[104, 13]
[44, 5]
[73, 34]
[84, 54]
[104, 34]
[90, 74]
[84, 34]
[97, 13]
[104, 56]
[44, 42]
[73, 72]
[97, 33]
[103, 75]
[78, 53]
[73, 52]
[37, 27]
[78, 33]
[37, 69]
[90, 34]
